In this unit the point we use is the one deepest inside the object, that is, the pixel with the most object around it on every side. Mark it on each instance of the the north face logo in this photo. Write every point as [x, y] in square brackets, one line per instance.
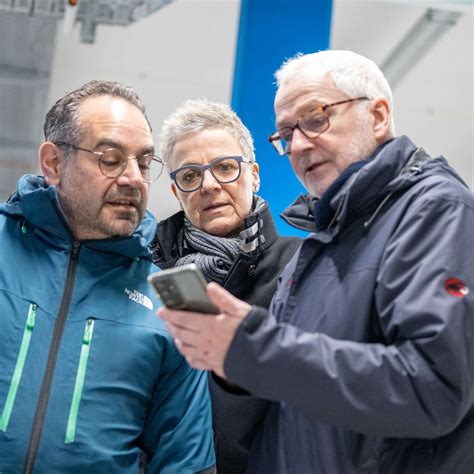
[139, 298]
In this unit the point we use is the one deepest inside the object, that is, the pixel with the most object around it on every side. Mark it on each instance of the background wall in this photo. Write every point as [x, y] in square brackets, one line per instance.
[434, 99]
[187, 49]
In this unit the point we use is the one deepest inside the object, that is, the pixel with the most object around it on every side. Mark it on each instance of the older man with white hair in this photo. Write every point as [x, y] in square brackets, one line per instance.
[365, 360]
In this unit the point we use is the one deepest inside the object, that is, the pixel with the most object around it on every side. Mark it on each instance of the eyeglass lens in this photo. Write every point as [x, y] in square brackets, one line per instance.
[113, 162]
[311, 125]
[224, 170]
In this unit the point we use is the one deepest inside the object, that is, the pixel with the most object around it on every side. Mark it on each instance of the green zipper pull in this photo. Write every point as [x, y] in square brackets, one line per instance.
[20, 364]
[79, 385]
[23, 228]
[88, 332]
[30, 322]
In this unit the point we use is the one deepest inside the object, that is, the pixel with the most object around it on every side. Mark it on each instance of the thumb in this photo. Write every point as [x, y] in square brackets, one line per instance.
[226, 302]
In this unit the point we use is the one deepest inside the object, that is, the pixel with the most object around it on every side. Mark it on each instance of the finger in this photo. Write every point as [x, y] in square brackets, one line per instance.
[220, 373]
[192, 356]
[183, 319]
[172, 327]
[174, 330]
[226, 302]
[186, 350]
[190, 338]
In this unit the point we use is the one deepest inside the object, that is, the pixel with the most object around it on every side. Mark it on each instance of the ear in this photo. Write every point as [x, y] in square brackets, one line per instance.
[174, 190]
[50, 162]
[255, 177]
[382, 118]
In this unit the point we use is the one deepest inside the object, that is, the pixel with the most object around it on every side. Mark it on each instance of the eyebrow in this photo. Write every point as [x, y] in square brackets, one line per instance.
[190, 163]
[308, 104]
[113, 144]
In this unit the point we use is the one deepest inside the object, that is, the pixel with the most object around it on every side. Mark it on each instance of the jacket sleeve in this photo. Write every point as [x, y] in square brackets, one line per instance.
[178, 428]
[418, 384]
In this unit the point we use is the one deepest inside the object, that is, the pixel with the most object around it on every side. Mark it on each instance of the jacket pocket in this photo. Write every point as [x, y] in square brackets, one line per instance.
[79, 384]
[19, 366]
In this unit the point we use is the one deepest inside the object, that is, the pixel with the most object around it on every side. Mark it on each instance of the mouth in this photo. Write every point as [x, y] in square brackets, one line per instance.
[214, 206]
[124, 202]
[313, 167]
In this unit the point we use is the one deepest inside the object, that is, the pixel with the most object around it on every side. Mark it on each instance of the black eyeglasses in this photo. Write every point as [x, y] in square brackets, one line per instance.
[311, 125]
[226, 169]
[113, 162]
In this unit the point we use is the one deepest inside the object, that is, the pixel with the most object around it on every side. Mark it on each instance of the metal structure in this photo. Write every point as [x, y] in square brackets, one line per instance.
[118, 12]
[88, 12]
[417, 41]
[27, 42]
[26, 50]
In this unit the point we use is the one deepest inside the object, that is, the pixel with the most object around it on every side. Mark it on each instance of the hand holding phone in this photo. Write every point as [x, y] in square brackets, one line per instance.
[183, 288]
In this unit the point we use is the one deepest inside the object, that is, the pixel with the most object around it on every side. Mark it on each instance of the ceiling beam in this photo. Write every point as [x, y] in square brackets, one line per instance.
[417, 42]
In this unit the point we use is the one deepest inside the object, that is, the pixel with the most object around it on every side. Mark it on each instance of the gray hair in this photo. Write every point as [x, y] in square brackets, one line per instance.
[353, 74]
[197, 115]
[62, 121]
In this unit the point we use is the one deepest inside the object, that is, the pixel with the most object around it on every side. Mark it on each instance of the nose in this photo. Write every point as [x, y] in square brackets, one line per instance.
[300, 143]
[131, 175]
[209, 183]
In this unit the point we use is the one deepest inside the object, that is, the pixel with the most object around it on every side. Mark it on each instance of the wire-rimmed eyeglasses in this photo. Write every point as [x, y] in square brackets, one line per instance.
[225, 169]
[113, 162]
[311, 125]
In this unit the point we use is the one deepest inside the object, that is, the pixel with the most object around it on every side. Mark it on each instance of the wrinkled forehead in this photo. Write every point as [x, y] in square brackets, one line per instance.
[202, 146]
[110, 118]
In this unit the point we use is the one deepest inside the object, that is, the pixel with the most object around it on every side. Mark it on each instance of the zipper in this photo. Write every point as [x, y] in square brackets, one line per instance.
[338, 211]
[43, 399]
[78, 386]
[20, 364]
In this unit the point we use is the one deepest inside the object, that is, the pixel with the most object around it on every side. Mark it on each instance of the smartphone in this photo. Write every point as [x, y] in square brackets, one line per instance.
[183, 288]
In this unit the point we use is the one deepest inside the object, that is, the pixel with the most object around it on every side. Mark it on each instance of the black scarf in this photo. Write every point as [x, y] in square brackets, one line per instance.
[213, 255]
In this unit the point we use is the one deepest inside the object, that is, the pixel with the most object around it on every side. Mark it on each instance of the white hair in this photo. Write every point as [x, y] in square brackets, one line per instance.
[200, 114]
[353, 74]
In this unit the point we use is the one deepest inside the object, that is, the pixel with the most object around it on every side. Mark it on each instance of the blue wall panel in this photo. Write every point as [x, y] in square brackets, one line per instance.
[271, 31]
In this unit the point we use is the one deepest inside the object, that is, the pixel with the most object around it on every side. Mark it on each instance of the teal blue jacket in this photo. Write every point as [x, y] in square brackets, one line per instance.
[89, 376]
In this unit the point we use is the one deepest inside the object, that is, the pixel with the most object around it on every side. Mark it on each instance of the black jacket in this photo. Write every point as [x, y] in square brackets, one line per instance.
[252, 278]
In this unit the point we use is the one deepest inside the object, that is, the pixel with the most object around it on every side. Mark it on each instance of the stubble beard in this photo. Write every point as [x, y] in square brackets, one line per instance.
[86, 223]
[359, 147]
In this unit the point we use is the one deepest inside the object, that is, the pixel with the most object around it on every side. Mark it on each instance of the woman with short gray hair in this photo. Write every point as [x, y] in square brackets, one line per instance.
[224, 227]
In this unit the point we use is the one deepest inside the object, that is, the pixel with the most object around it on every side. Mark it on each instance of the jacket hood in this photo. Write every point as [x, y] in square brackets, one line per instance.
[300, 213]
[396, 165]
[37, 203]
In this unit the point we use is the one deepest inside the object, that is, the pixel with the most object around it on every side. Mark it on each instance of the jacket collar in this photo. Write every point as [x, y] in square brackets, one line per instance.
[263, 232]
[365, 185]
[38, 204]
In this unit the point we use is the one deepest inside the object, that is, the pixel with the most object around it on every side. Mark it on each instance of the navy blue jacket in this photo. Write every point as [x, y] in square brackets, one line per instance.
[89, 376]
[365, 361]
